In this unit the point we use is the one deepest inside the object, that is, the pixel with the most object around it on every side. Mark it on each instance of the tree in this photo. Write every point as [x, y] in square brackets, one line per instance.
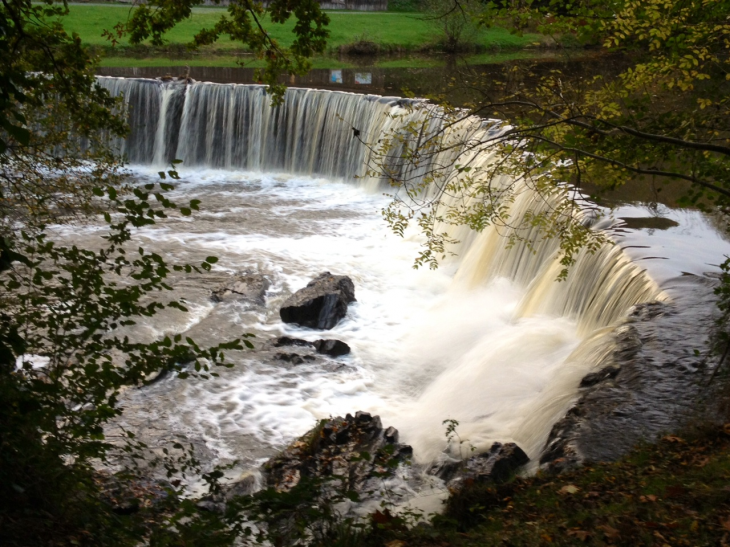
[664, 115]
[63, 357]
[456, 22]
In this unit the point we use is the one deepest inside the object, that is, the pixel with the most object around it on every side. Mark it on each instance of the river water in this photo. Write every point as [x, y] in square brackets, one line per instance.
[489, 339]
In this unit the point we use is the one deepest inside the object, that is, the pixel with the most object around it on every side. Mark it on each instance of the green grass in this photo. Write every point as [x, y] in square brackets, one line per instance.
[407, 31]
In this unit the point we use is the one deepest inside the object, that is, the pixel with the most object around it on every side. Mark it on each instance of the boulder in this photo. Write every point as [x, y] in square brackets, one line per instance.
[247, 287]
[495, 465]
[355, 448]
[333, 348]
[321, 304]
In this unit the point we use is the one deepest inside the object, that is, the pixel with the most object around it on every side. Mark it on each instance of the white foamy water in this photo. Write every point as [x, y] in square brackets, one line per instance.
[423, 350]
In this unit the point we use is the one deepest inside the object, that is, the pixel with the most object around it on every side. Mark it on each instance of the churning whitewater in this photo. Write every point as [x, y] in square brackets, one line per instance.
[489, 339]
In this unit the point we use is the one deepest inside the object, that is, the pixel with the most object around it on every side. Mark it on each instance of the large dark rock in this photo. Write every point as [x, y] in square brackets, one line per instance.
[247, 287]
[321, 304]
[652, 382]
[356, 449]
[333, 348]
[496, 465]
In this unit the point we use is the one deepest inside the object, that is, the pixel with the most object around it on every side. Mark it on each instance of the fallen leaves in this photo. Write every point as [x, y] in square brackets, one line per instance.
[609, 531]
[673, 439]
[569, 489]
[648, 498]
[580, 534]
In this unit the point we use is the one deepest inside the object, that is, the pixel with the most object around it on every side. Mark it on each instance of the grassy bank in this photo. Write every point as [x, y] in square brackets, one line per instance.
[389, 31]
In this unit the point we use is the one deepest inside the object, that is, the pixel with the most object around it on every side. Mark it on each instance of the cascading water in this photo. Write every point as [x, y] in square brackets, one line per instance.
[491, 339]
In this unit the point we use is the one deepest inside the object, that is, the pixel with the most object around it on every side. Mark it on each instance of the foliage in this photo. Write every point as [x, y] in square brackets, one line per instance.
[68, 345]
[663, 116]
[455, 21]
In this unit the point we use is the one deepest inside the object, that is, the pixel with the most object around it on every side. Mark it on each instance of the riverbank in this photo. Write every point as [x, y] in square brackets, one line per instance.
[673, 492]
[378, 33]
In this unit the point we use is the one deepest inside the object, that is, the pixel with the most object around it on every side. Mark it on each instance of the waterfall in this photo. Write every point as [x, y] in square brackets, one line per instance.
[321, 133]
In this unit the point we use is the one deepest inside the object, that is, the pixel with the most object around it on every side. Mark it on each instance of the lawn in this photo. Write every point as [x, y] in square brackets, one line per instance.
[407, 31]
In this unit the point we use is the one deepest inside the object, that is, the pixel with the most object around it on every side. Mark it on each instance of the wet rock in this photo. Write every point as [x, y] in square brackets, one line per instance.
[652, 382]
[444, 467]
[211, 506]
[247, 287]
[333, 348]
[216, 503]
[126, 497]
[602, 375]
[294, 358]
[496, 465]
[321, 304]
[283, 341]
[245, 486]
[355, 448]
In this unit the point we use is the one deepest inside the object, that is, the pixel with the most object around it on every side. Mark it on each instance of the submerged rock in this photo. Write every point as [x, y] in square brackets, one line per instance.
[496, 465]
[284, 341]
[355, 449]
[246, 287]
[333, 348]
[294, 358]
[321, 304]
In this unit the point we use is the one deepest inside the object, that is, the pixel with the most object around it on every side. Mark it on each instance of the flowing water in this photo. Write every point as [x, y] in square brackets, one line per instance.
[489, 339]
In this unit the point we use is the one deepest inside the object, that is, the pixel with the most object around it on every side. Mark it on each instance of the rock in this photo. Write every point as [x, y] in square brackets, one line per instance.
[333, 348]
[247, 287]
[321, 304]
[353, 448]
[602, 375]
[445, 467]
[496, 465]
[211, 506]
[294, 358]
[245, 486]
[287, 341]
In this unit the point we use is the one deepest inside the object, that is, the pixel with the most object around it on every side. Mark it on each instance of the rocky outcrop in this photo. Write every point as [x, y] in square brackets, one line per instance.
[247, 287]
[355, 449]
[321, 304]
[496, 465]
[649, 384]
